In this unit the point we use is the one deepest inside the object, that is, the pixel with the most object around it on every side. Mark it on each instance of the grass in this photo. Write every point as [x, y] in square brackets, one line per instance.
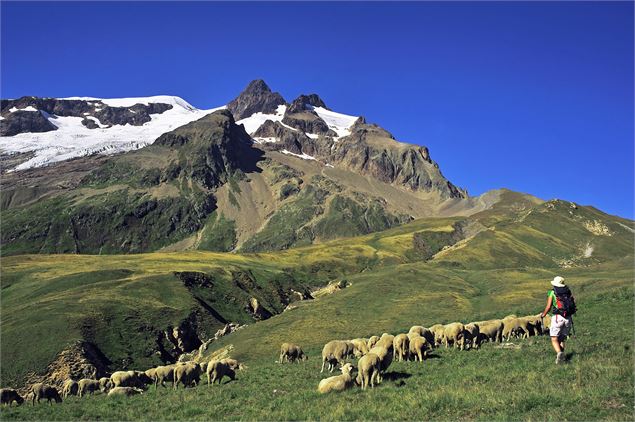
[489, 384]
[120, 301]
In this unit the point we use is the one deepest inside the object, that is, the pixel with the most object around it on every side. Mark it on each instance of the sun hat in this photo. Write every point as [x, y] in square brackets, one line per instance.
[558, 282]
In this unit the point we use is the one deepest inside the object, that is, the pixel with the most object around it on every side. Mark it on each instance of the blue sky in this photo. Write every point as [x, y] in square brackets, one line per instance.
[535, 97]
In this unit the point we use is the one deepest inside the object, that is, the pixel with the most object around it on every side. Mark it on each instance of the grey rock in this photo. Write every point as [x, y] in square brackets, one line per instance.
[257, 97]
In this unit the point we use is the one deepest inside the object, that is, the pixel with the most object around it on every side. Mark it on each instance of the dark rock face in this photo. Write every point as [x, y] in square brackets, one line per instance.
[25, 121]
[20, 122]
[300, 104]
[257, 97]
[368, 150]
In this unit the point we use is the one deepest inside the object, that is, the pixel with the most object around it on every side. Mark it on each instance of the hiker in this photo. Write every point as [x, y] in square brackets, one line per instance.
[561, 304]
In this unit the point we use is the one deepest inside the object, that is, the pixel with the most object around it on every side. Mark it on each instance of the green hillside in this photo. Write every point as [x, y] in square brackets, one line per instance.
[433, 270]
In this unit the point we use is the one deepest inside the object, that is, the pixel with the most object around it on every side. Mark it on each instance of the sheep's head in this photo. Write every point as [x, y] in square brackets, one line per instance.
[347, 368]
[303, 356]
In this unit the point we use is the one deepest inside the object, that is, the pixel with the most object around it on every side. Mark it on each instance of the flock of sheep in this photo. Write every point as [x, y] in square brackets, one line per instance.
[129, 383]
[375, 355]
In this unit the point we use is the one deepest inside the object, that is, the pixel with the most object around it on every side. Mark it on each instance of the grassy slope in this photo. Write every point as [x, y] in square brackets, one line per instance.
[390, 294]
[491, 383]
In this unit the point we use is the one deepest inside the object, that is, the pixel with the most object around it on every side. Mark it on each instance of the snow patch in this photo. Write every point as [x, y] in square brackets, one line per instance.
[28, 108]
[265, 140]
[253, 122]
[588, 250]
[330, 165]
[312, 135]
[73, 139]
[96, 120]
[340, 123]
[303, 155]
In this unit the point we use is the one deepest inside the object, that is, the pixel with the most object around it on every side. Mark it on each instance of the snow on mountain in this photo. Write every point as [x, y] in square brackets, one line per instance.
[72, 139]
[340, 123]
[253, 122]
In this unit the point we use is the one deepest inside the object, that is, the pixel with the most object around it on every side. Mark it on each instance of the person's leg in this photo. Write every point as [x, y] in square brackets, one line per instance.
[556, 344]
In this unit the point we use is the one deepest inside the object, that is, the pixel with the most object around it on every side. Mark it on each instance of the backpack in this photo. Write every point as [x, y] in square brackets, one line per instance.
[565, 303]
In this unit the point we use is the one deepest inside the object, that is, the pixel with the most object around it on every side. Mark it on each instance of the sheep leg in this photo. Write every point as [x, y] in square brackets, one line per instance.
[323, 362]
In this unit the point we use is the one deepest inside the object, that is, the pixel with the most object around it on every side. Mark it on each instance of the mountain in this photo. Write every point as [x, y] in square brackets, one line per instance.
[87, 175]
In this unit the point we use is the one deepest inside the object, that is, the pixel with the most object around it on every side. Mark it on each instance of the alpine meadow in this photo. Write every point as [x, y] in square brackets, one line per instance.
[273, 258]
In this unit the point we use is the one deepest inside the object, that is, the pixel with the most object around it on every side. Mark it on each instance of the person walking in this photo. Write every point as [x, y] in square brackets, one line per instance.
[561, 306]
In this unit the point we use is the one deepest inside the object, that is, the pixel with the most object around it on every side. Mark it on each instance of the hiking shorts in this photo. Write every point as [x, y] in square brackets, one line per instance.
[560, 326]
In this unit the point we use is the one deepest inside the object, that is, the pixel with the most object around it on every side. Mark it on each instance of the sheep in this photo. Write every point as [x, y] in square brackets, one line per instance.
[491, 330]
[360, 347]
[400, 347]
[437, 331]
[124, 391]
[368, 368]
[105, 384]
[472, 333]
[130, 379]
[44, 391]
[162, 374]
[418, 346]
[335, 352]
[386, 340]
[87, 385]
[290, 352]
[454, 333]
[70, 388]
[216, 370]
[535, 324]
[385, 356]
[188, 374]
[338, 382]
[9, 395]
[150, 373]
[372, 342]
[515, 327]
[233, 363]
[423, 332]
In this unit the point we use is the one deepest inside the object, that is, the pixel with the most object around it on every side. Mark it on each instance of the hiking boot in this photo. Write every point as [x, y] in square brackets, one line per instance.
[560, 357]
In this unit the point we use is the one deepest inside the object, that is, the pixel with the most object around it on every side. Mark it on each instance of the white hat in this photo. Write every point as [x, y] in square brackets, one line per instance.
[558, 282]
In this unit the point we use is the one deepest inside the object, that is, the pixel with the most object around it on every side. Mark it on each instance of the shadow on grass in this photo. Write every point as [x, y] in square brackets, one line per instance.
[394, 376]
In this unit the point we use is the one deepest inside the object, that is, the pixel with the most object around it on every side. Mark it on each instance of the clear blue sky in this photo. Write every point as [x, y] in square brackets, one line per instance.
[535, 97]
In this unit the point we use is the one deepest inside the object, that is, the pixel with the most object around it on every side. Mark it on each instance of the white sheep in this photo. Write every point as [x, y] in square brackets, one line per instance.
[338, 382]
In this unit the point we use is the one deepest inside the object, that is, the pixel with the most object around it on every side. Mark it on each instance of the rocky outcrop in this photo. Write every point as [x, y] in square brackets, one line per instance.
[305, 102]
[257, 97]
[24, 121]
[16, 120]
[81, 360]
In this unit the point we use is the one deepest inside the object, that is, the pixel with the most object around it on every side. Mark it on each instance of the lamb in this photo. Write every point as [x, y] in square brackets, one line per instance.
[360, 346]
[87, 385]
[162, 374]
[216, 370]
[400, 347]
[44, 391]
[454, 333]
[105, 384]
[418, 346]
[335, 352]
[9, 395]
[290, 352]
[70, 388]
[472, 333]
[124, 391]
[368, 370]
[188, 374]
[338, 382]
[372, 342]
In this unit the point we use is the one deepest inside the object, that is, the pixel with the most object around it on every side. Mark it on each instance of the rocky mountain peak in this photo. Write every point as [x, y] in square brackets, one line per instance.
[300, 104]
[256, 97]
